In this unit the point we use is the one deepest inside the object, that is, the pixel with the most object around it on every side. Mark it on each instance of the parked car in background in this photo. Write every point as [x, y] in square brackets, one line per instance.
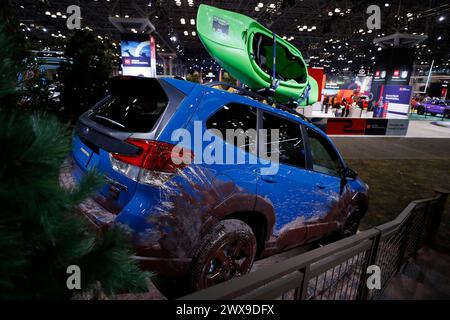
[201, 224]
[434, 107]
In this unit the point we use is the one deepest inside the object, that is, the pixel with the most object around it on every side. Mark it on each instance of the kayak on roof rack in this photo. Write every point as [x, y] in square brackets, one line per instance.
[246, 49]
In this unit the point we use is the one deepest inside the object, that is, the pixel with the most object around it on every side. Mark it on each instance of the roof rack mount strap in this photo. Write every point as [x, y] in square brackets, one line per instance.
[275, 81]
[305, 94]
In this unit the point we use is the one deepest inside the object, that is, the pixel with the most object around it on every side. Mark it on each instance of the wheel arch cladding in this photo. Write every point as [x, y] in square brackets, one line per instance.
[257, 222]
[362, 201]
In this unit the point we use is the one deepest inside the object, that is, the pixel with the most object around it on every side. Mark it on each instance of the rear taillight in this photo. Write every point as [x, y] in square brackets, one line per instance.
[154, 164]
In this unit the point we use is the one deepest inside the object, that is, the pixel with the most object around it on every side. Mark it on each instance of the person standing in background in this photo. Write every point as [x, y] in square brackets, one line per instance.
[344, 104]
[325, 103]
[347, 105]
[329, 101]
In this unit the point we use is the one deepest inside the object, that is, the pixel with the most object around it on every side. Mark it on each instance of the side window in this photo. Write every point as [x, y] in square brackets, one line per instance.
[324, 157]
[240, 121]
[289, 145]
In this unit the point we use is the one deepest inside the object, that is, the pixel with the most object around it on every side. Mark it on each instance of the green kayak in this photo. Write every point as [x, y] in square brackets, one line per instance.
[245, 48]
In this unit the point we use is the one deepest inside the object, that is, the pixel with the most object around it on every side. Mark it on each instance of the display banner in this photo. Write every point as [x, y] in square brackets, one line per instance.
[344, 126]
[394, 67]
[376, 127]
[361, 84]
[138, 55]
[397, 127]
[396, 101]
[362, 126]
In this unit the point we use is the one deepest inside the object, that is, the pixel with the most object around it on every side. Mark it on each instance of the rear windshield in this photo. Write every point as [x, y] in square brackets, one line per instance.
[132, 105]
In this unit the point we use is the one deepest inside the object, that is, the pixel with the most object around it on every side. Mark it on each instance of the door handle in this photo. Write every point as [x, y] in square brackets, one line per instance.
[269, 179]
[320, 185]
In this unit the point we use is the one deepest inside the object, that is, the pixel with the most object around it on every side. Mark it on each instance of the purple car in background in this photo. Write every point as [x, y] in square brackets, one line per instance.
[434, 107]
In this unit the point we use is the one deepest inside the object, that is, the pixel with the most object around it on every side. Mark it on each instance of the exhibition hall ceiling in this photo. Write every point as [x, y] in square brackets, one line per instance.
[332, 34]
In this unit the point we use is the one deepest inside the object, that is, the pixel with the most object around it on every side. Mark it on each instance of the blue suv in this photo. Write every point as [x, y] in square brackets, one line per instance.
[201, 223]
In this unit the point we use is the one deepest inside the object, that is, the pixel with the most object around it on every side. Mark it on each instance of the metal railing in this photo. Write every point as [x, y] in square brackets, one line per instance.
[338, 271]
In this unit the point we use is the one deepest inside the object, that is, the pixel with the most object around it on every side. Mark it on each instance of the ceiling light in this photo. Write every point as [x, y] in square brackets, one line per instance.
[186, 33]
[337, 10]
[193, 21]
[194, 33]
[441, 18]
[47, 13]
[260, 5]
[183, 21]
[386, 5]
[272, 5]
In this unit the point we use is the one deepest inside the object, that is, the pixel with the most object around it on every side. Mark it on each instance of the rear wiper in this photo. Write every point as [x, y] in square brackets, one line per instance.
[110, 120]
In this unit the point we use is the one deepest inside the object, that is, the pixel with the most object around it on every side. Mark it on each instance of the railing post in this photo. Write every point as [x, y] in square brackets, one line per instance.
[436, 216]
[302, 291]
[363, 290]
[405, 240]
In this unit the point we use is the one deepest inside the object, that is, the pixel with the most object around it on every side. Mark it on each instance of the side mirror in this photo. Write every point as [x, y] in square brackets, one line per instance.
[350, 174]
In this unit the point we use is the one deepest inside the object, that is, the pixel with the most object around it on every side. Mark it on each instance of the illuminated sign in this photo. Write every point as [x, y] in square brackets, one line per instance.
[138, 55]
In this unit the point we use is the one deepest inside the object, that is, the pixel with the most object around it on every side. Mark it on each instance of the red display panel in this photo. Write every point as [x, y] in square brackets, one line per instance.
[318, 74]
[351, 126]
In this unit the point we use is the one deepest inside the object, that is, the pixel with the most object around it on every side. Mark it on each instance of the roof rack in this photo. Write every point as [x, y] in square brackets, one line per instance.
[258, 97]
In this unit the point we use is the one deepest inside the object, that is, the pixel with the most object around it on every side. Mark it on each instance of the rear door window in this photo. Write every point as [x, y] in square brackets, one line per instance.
[239, 118]
[133, 105]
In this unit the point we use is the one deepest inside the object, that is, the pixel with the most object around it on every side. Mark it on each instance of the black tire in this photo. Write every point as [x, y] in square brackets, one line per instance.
[352, 223]
[171, 288]
[421, 111]
[447, 114]
[227, 251]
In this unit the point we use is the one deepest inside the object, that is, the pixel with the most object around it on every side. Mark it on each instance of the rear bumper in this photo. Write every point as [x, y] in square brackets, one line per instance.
[98, 216]
[100, 219]
[171, 267]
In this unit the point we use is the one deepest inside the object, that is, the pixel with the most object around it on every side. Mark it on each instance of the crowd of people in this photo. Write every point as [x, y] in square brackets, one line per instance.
[341, 108]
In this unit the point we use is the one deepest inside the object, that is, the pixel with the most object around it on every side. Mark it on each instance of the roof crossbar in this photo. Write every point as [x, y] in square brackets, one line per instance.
[258, 97]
